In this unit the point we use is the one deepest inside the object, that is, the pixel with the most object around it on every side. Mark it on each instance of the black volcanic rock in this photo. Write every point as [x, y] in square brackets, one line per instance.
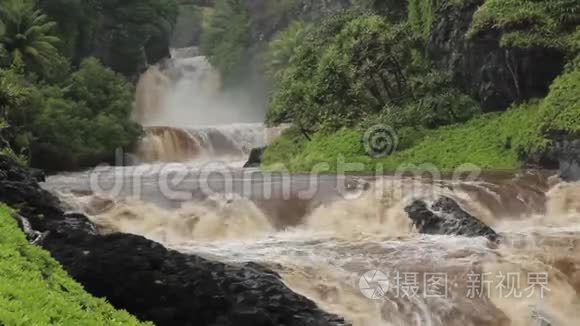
[146, 279]
[566, 150]
[171, 288]
[255, 157]
[446, 217]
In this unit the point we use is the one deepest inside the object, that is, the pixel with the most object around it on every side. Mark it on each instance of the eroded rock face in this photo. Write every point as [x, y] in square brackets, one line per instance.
[445, 217]
[494, 75]
[567, 152]
[149, 281]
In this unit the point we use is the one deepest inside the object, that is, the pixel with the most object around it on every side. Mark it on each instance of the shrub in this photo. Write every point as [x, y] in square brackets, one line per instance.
[91, 115]
[284, 148]
[283, 48]
[561, 108]
[351, 65]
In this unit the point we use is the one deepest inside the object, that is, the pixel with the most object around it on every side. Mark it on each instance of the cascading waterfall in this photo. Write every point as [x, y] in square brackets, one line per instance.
[166, 144]
[188, 116]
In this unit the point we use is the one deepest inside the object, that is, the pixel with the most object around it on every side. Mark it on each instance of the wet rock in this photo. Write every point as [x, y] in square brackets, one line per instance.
[170, 288]
[20, 190]
[255, 158]
[446, 217]
[496, 76]
[567, 152]
[38, 175]
[146, 279]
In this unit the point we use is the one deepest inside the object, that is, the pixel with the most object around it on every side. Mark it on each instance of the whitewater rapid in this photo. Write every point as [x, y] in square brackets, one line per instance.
[325, 253]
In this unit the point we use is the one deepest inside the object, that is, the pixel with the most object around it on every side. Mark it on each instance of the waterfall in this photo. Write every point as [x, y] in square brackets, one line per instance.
[187, 114]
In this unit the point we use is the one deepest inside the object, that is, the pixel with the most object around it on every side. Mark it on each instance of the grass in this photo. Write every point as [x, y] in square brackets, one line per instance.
[561, 108]
[35, 290]
[491, 141]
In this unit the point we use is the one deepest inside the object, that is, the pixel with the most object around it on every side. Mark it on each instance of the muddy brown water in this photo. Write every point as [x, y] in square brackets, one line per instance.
[346, 243]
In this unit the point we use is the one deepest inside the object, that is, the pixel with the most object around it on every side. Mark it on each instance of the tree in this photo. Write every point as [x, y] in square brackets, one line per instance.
[283, 47]
[354, 67]
[125, 35]
[227, 36]
[27, 32]
[90, 115]
[349, 66]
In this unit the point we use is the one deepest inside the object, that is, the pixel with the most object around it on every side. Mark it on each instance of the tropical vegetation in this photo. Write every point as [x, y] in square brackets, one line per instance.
[339, 77]
[66, 70]
[35, 290]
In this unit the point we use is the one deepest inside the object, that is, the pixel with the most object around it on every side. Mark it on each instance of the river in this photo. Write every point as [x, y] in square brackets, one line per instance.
[343, 241]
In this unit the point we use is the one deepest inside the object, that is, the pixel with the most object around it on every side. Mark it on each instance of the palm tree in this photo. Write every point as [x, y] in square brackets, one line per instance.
[27, 32]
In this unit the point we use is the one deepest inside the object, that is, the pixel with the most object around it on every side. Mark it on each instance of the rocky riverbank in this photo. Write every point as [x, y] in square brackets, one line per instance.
[146, 279]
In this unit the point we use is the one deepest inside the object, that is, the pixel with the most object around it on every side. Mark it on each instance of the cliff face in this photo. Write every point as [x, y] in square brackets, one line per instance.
[496, 76]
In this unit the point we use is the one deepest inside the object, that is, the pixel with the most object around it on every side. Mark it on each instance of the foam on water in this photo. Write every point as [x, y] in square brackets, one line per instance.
[325, 255]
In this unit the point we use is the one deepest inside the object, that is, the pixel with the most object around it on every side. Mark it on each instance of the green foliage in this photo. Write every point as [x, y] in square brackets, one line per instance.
[119, 32]
[421, 14]
[435, 104]
[27, 33]
[349, 66]
[394, 10]
[73, 21]
[15, 94]
[492, 141]
[293, 152]
[90, 115]
[283, 48]
[43, 103]
[355, 67]
[529, 23]
[561, 108]
[226, 38]
[21, 159]
[285, 148]
[35, 290]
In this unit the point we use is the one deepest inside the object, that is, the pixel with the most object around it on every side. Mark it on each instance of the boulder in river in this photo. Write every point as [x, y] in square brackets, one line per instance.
[446, 217]
[255, 157]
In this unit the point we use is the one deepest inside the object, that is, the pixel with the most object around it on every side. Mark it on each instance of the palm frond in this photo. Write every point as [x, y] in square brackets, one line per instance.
[28, 33]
